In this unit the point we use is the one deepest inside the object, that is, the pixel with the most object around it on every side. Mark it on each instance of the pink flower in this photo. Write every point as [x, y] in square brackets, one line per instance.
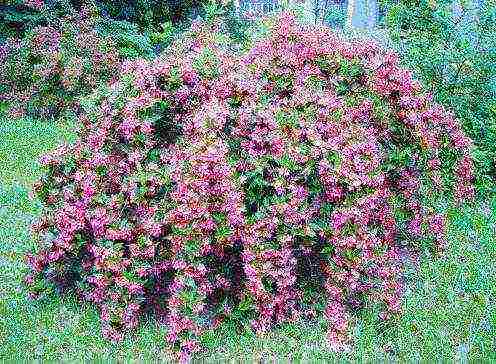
[437, 224]
[338, 220]
[35, 4]
[134, 289]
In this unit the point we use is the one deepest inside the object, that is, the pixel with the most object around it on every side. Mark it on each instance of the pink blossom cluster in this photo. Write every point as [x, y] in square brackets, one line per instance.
[34, 4]
[293, 176]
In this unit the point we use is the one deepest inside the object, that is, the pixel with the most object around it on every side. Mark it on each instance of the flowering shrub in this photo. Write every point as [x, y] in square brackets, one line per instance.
[206, 186]
[44, 73]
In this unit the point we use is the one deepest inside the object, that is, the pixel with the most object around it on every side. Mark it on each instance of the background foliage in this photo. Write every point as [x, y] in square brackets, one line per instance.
[453, 52]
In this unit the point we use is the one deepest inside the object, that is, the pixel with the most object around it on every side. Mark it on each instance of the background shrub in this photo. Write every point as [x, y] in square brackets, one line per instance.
[19, 16]
[64, 57]
[150, 13]
[453, 52]
[43, 73]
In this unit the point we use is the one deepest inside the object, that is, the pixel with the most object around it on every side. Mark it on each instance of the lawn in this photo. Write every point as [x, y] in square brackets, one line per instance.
[449, 308]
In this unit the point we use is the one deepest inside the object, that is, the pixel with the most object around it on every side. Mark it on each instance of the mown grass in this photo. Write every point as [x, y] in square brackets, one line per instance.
[449, 308]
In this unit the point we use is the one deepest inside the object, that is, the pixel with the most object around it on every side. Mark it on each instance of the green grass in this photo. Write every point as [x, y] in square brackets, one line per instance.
[449, 309]
[22, 142]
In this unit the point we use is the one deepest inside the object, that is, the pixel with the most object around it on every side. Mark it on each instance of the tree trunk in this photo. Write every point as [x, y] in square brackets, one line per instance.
[349, 18]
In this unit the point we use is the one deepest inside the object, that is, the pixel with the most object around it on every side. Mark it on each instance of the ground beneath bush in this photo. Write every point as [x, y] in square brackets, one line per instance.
[449, 307]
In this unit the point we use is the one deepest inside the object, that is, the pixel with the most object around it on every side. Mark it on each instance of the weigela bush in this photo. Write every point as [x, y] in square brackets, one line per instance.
[45, 72]
[206, 186]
